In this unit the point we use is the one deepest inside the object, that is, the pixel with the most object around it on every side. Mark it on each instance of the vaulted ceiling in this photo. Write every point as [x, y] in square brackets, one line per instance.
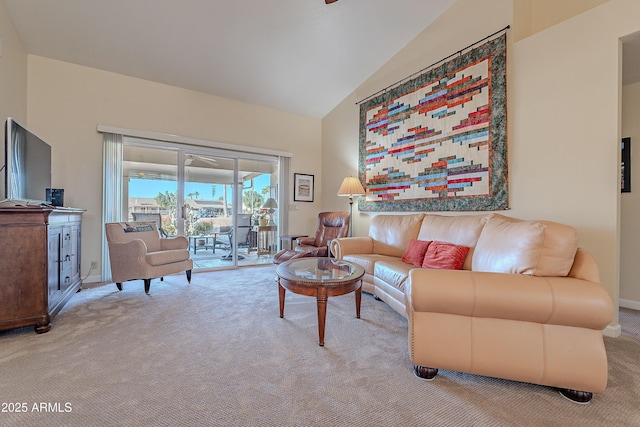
[301, 56]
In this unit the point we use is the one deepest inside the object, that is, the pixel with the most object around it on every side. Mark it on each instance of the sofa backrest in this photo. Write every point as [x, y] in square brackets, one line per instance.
[124, 232]
[539, 248]
[391, 233]
[462, 230]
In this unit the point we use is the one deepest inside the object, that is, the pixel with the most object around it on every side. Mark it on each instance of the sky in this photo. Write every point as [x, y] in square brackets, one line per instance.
[151, 188]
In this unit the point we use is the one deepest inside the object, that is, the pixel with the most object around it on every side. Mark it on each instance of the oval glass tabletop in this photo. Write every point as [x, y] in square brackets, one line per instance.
[321, 269]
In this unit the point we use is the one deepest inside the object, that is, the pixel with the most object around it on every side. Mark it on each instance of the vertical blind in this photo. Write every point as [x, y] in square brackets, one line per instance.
[111, 192]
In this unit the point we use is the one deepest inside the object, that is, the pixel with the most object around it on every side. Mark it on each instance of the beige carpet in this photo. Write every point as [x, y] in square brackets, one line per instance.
[215, 353]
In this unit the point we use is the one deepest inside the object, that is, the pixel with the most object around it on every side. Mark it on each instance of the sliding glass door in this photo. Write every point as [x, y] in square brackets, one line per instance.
[225, 203]
[150, 186]
[209, 208]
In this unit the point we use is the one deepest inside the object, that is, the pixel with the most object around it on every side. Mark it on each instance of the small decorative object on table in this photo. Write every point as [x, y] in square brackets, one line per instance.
[261, 216]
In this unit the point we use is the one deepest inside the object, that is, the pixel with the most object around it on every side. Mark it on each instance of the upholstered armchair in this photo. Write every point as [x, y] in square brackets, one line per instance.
[137, 252]
[331, 225]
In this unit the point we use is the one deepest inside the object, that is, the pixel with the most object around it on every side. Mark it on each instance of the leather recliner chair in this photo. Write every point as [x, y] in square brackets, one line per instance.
[331, 225]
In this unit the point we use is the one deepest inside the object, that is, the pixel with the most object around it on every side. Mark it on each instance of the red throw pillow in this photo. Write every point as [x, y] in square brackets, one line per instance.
[415, 252]
[445, 256]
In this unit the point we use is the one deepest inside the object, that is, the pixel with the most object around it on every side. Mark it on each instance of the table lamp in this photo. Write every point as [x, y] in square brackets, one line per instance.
[272, 205]
[350, 187]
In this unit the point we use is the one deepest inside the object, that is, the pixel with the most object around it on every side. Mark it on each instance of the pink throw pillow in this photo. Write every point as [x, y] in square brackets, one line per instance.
[415, 252]
[445, 256]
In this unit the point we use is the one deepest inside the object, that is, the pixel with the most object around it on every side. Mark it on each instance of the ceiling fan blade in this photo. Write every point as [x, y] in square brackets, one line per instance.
[329, 1]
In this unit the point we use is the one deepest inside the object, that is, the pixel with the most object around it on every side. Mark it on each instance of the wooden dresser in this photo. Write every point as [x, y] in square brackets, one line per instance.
[39, 264]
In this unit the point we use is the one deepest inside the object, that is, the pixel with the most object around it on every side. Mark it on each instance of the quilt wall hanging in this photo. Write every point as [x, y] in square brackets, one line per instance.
[438, 142]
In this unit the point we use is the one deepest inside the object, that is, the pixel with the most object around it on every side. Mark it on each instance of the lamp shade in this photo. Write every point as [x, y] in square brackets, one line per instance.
[351, 186]
[270, 203]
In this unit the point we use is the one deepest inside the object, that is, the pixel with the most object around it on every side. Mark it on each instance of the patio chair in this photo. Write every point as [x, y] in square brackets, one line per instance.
[244, 227]
[145, 216]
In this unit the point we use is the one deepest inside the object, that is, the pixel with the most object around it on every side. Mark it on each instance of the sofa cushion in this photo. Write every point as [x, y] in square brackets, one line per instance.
[509, 247]
[559, 250]
[539, 248]
[415, 252]
[461, 230]
[368, 261]
[393, 272]
[136, 227]
[145, 231]
[167, 257]
[391, 233]
[445, 256]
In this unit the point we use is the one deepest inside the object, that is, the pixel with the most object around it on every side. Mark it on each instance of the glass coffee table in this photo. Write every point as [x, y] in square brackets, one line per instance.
[320, 278]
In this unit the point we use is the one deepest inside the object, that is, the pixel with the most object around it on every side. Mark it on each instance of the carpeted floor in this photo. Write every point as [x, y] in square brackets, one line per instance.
[216, 353]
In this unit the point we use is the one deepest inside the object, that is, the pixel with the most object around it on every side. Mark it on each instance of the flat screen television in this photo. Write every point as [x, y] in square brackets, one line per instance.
[27, 165]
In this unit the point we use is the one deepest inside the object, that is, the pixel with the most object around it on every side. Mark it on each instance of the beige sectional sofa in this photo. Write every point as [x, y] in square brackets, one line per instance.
[526, 305]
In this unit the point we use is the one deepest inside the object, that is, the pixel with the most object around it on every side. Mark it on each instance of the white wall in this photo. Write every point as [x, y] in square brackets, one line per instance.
[66, 102]
[13, 71]
[630, 203]
[566, 128]
[547, 13]
[563, 112]
[13, 80]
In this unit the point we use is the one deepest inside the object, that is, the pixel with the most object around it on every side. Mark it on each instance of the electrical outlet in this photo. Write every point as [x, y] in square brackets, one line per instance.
[94, 264]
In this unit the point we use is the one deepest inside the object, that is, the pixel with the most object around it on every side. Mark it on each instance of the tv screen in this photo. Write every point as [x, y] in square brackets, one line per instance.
[27, 169]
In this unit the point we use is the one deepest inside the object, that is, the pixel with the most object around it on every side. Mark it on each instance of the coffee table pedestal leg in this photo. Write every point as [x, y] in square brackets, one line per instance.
[358, 299]
[322, 313]
[281, 292]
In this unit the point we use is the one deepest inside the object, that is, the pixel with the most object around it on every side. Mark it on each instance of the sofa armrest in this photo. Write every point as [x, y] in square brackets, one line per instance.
[563, 301]
[585, 267]
[351, 245]
[170, 243]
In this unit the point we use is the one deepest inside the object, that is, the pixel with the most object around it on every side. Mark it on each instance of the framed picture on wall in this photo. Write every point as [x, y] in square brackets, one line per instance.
[302, 187]
[625, 166]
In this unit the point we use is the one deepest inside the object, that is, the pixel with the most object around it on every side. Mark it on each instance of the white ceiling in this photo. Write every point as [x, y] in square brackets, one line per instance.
[301, 56]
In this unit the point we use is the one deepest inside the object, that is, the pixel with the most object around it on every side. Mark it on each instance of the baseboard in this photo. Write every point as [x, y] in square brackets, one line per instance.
[92, 279]
[612, 331]
[616, 330]
[628, 303]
